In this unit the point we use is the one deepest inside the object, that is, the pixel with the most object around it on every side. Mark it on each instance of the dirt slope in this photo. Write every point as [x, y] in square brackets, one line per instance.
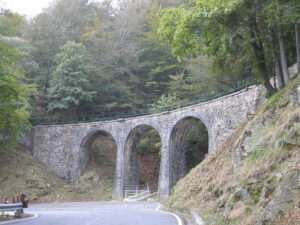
[22, 173]
[254, 177]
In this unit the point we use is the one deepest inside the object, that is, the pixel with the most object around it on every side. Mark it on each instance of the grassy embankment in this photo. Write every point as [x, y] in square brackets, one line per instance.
[253, 178]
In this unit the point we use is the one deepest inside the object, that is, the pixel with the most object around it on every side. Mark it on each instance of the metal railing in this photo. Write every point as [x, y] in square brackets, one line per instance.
[11, 207]
[140, 192]
[16, 204]
[114, 116]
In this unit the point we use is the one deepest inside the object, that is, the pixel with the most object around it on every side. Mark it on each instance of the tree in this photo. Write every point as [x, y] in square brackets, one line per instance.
[277, 65]
[128, 53]
[218, 29]
[64, 20]
[282, 46]
[281, 17]
[156, 64]
[70, 85]
[11, 24]
[14, 92]
[297, 29]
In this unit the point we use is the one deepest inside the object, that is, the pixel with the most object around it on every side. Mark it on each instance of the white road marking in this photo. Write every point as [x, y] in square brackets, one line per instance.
[179, 220]
[17, 220]
[157, 209]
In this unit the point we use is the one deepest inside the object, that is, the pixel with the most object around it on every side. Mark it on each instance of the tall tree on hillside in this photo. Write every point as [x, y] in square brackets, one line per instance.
[156, 63]
[280, 16]
[282, 45]
[277, 63]
[108, 39]
[70, 85]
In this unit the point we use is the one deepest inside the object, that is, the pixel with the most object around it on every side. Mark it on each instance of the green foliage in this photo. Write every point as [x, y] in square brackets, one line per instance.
[71, 80]
[11, 24]
[134, 67]
[63, 21]
[150, 144]
[198, 29]
[234, 33]
[168, 102]
[14, 95]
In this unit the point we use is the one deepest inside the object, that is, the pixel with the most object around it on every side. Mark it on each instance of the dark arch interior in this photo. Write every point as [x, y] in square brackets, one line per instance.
[188, 146]
[98, 153]
[142, 157]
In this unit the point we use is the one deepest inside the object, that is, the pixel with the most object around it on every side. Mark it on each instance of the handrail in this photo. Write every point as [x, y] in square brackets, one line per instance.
[104, 117]
[140, 192]
[139, 195]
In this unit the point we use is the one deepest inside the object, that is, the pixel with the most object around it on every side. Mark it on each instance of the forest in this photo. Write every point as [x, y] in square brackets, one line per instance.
[83, 60]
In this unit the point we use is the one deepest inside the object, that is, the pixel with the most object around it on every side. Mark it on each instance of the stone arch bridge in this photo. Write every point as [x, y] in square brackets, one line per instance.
[64, 148]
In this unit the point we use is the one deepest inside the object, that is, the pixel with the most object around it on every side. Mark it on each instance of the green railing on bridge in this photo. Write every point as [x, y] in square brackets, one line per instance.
[114, 116]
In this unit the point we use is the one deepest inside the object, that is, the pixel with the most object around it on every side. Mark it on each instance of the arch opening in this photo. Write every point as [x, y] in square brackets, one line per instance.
[188, 146]
[142, 157]
[97, 161]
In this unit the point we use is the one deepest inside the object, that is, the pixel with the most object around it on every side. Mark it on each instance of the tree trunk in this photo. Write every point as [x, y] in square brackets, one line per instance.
[277, 66]
[278, 71]
[283, 57]
[259, 55]
[297, 29]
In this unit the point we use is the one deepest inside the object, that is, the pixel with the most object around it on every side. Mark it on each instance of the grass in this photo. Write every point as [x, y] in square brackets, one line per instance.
[280, 99]
[262, 155]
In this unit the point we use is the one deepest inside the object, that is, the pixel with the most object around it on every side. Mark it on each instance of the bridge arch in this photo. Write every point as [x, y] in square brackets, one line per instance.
[62, 147]
[85, 145]
[177, 146]
[131, 165]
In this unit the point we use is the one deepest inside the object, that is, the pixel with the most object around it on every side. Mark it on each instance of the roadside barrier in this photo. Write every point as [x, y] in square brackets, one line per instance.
[140, 192]
[15, 206]
[19, 199]
[11, 207]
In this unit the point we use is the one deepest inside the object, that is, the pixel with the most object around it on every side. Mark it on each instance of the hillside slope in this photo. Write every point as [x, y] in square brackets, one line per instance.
[21, 173]
[254, 177]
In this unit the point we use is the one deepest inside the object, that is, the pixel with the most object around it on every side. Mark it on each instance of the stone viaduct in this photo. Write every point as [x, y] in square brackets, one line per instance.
[64, 149]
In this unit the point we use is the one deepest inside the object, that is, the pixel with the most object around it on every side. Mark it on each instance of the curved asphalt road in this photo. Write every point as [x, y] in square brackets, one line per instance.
[99, 213]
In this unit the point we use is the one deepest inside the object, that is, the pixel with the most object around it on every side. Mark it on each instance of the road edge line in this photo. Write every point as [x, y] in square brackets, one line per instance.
[179, 220]
[17, 220]
[157, 208]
